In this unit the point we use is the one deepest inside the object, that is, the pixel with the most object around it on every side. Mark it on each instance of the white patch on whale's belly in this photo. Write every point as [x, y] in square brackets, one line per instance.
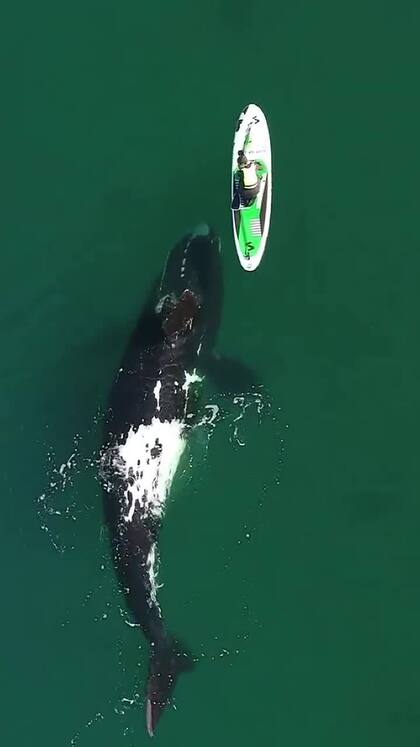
[148, 460]
[156, 392]
[152, 571]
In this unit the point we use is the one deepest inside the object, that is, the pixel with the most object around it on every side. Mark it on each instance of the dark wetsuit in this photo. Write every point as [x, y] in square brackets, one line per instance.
[248, 193]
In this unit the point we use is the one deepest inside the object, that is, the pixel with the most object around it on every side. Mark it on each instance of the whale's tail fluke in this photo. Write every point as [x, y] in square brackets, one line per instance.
[168, 660]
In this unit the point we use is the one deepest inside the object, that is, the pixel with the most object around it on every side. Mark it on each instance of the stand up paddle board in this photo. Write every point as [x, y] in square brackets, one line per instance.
[251, 215]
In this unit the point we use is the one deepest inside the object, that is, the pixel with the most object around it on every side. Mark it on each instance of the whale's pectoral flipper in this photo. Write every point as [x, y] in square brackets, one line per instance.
[169, 659]
[231, 375]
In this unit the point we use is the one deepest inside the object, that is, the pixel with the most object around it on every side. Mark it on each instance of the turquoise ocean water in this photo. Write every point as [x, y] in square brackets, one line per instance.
[290, 563]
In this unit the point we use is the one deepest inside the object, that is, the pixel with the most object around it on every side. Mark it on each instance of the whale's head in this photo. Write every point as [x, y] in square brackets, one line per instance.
[191, 290]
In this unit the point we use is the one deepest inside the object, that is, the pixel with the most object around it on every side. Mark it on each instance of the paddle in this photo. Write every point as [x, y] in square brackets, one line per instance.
[236, 202]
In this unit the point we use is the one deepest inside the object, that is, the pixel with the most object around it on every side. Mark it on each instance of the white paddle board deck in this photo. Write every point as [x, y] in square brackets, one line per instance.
[251, 217]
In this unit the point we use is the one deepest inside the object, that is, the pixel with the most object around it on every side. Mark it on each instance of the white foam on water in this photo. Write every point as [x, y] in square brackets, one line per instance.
[214, 413]
[68, 464]
[191, 378]
[210, 417]
[148, 460]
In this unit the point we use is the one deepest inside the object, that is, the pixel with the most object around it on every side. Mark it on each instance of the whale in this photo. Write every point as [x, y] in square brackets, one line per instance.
[152, 408]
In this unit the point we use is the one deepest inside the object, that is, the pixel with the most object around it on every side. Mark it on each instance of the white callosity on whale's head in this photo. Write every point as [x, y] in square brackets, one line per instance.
[147, 460]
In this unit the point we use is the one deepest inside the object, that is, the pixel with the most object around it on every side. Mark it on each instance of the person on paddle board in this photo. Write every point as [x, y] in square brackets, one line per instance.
[249, 184]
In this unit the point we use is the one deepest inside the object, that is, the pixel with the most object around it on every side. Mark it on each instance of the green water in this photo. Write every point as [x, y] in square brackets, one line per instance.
[298, 553]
